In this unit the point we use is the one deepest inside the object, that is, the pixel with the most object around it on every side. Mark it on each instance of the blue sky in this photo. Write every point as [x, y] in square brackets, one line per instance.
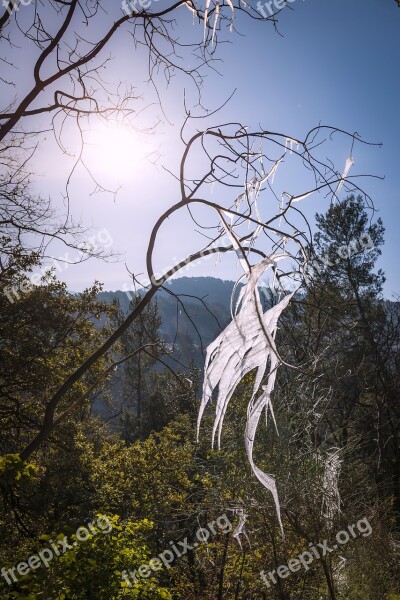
[335, 62]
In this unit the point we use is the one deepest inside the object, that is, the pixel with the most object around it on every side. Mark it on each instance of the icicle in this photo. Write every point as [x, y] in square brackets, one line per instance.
[348, 165]
[274, 169]
[215, 22]
[206, 17]
[230, 4]
[297, 198]
[228, 214]
[290, 142]
[192, 10]
[260, 158]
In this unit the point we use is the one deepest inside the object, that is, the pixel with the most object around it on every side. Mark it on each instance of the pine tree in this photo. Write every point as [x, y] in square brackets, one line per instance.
[355, 335]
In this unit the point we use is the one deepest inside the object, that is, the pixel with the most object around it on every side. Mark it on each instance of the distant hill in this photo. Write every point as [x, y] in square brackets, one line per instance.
[180, 318]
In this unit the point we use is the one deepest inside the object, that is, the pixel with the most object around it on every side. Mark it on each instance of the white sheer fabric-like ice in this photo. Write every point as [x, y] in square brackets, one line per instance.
[241, 527]
[247, 343]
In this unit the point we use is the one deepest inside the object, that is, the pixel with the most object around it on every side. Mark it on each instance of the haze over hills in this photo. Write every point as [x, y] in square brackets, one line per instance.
[190, 308]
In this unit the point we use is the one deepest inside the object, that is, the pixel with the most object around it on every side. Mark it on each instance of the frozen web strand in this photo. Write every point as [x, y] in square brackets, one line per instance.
[331, 495]
[241, 527]
[253, 189]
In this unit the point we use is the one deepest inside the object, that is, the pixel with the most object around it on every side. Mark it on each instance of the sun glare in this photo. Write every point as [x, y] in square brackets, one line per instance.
[115, 150]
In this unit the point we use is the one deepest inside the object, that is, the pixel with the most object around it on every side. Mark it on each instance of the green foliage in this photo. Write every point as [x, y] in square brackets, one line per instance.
[92, 568]
[12, 468]
[157, 485]
[45, 334]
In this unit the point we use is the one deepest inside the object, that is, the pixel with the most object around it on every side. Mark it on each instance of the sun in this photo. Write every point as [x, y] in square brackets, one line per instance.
[115, 150]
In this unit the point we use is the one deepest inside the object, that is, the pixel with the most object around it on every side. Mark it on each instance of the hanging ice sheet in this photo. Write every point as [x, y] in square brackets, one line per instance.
[247, 343]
